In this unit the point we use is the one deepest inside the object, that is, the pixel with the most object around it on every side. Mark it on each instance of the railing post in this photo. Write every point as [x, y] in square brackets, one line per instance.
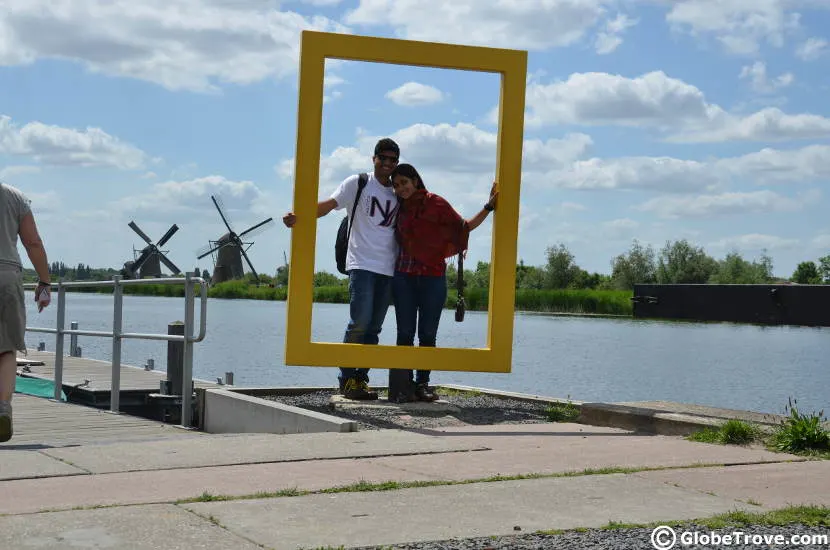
[59, 326]
[73, 340]
[115, 390]
[187, 371]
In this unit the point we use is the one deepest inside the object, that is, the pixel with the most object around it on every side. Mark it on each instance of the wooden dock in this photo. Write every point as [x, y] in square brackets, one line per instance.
[85, 416]
[88, 381]
[40, 422]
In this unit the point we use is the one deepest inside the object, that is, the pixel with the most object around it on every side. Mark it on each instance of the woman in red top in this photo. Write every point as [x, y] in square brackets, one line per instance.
[429, 230]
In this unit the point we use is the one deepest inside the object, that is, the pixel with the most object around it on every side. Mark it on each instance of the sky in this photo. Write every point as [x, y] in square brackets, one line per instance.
[655, 120]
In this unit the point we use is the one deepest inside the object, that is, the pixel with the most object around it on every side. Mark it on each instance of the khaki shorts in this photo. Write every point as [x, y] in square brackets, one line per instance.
[12, 310]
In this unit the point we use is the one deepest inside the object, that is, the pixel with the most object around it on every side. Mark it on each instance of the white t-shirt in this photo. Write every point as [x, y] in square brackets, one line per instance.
[372, 245]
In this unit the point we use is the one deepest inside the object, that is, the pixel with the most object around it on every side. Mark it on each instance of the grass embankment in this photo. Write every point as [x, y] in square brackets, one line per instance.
[797, 433]
[599, 302]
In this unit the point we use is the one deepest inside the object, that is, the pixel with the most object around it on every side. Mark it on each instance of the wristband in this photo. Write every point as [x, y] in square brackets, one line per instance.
[489, 207]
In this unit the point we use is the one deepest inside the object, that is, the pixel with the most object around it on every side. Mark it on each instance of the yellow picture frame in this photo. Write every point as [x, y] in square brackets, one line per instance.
[315, 48]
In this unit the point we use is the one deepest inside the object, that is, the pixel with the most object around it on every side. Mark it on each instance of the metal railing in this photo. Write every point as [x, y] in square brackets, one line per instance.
[117, 335]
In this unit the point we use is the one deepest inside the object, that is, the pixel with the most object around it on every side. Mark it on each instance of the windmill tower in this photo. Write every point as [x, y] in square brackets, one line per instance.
[148, 262]
[230, 249]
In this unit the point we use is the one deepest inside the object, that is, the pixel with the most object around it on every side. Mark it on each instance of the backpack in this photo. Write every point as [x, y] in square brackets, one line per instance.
[344, 232]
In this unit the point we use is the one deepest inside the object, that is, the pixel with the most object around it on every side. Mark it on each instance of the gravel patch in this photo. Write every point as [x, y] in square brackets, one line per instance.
[626, 539]
[480, 409]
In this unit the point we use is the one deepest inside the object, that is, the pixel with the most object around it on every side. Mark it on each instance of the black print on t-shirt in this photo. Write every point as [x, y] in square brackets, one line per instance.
[387, 214]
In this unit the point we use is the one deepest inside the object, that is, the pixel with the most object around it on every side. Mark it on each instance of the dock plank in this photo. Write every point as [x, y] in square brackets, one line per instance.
[43, 422]
[95, 375]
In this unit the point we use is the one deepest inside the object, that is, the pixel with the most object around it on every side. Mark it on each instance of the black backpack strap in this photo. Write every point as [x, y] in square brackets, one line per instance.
[362, 180]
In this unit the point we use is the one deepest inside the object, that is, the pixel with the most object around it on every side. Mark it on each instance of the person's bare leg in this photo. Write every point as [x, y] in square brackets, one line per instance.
[8, 378]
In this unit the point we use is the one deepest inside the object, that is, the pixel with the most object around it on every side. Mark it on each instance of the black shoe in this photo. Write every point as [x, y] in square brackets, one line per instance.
[358, 390]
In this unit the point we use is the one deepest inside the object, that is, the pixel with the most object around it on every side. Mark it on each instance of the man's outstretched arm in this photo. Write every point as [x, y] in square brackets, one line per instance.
[323, 208]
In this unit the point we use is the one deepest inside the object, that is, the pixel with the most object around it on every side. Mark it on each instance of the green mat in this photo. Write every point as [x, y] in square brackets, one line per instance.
[37, 387]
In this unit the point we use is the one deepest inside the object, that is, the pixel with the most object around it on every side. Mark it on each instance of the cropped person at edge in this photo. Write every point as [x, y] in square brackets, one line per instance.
[16, 220]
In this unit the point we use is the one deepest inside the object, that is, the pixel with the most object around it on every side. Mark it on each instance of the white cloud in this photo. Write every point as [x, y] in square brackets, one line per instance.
[529, 24]
[757, 73]
[755, 242]
[179, 44]
[414, 94]
[192, 198]
[621, 225]
[812, 49]
[12, 171]
[665, 174]
[725, 204]
[461, 152]
[610, 38]
[740, 26]
[770, 124]
[655, 100]
[55, 145]
[822, 241]
[809, 164]
[572, 207]
[46, 202]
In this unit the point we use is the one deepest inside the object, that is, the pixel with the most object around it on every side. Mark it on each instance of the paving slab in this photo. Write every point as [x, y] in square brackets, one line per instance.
[562, 447]
[160, 486]
[772, 485]
[474, 510]
[228, 449]
[19, 464]
[137, 528]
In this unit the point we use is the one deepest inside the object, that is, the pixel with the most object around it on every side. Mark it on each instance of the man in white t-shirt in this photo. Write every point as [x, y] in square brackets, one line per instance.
[370, 257]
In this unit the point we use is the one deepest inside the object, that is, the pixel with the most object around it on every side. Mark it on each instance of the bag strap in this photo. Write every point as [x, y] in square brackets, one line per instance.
[460, 278]
[362, 180]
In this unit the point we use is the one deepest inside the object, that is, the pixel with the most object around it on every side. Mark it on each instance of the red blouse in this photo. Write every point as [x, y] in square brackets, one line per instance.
[428, 231]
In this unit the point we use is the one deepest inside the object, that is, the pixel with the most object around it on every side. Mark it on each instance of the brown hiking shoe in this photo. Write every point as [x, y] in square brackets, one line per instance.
[424, 393]
[358, 390]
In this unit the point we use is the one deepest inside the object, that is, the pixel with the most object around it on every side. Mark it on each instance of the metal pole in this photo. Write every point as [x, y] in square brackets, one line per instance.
[187, 374]
[73, 340]
[115, 391]
[59, 325]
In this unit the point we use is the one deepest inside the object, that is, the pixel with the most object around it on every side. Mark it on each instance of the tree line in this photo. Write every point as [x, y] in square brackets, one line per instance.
[678, 262]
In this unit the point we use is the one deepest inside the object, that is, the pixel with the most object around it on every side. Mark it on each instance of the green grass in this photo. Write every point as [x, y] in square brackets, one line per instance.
[562, 412]
[798, 433]
[810, 516]
[801, 433]
[731, 432]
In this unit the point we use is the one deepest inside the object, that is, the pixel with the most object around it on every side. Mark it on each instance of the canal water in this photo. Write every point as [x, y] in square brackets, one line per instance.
[586, 359]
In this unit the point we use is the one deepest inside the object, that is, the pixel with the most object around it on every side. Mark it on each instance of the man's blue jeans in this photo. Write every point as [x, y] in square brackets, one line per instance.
[370, 295]
[419, 301]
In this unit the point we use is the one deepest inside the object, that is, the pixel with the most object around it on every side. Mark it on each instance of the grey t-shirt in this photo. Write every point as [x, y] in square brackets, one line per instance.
[14, 205]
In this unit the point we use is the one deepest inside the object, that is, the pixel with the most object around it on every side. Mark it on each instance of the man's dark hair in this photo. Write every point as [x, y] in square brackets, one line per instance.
[387, 144]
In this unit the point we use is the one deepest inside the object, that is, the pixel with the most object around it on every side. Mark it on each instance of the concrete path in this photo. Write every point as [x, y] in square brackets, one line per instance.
[128, 494]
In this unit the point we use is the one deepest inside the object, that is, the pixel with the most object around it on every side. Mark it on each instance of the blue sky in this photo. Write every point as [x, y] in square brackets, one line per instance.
[646, 119]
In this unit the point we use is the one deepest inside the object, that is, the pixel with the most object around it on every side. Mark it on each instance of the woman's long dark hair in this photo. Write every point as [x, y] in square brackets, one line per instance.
[409, 171]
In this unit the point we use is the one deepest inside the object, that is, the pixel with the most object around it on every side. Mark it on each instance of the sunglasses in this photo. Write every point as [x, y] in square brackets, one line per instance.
[387, 158]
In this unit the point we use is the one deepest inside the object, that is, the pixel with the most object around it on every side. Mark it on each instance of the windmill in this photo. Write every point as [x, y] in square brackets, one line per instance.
[230, 249]
[148, 262]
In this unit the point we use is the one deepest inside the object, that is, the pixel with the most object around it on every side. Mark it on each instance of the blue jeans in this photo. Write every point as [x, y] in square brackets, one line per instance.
[419, 301]
[369, 297]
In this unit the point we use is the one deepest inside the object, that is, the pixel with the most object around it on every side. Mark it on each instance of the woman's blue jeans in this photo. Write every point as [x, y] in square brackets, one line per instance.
[419, 301]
